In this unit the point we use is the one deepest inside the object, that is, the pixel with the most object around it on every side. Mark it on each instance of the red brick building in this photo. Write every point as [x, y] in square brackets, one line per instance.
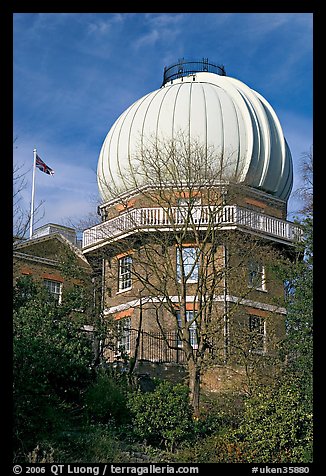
[195, 178]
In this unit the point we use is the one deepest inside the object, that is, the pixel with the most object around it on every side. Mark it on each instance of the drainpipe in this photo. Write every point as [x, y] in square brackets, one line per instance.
[225, 319]
[225, 293]
[101, 310]
[103, 285]
[98, 342]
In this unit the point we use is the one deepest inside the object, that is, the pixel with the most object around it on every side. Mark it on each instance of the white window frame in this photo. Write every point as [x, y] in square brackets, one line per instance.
[54, 287]
[188, 264]
[124, 273]
[192, 329]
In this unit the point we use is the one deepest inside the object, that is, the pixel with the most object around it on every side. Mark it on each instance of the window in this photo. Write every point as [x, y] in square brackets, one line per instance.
[124, 329]
[125, 265]
[188, 256]
[192, 329]
[256, 276]
[257, 333]
[55, 288]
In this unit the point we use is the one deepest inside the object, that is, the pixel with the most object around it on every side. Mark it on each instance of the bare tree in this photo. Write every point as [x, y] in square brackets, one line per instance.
[188, 260]
[305, 192]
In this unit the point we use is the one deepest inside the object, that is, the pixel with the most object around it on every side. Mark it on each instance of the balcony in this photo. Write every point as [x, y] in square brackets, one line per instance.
[174, 218]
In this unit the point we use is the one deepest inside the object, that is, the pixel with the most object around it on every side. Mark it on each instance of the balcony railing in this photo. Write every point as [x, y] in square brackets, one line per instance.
[159, 218]
[152, 347]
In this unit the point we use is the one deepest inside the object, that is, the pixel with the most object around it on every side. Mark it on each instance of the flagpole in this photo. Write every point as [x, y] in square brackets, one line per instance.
[32, 201]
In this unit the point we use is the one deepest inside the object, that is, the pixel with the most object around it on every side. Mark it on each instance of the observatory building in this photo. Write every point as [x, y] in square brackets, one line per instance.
[194, 178]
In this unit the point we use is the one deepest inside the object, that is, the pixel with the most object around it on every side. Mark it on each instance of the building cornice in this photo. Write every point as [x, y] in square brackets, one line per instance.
[218, 298]
[127, 195]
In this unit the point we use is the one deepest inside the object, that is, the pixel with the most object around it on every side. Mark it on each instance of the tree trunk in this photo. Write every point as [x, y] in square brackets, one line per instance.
[134, 360]
[194, 385]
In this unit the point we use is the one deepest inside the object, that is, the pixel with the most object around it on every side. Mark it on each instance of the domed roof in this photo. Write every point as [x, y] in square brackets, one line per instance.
[219, 112]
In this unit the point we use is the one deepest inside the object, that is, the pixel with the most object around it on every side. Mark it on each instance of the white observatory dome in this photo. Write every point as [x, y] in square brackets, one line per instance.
[216, 110]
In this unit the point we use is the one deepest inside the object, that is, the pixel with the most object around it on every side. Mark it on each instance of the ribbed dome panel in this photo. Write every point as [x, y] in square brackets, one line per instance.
[217, 111]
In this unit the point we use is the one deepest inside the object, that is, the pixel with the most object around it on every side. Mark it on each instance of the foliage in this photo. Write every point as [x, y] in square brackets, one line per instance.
[216, 448]
[299, 342]
[51, 364]
[41, 454]
[91, 444]
[106, 399]
[101, 446]
[277, 421]
[163, 415]
[24, 290]
[276, 425]
[222, 412]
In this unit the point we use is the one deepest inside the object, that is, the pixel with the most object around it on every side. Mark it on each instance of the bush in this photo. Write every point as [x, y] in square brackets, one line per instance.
[106, 400]
[51, 366]
[162, 416]
[97, 444]
[213, 449]
[277, 426]
[88, 444]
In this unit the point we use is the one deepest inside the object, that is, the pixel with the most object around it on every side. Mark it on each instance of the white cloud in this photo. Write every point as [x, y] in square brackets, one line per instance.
[148, 40]
[161, 27]
[102, 24]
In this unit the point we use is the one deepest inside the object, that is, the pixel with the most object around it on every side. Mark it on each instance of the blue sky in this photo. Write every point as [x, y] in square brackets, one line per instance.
[75, 73]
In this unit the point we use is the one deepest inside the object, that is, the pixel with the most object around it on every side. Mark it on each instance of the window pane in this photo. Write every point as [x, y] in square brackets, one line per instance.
[54, 287]
[192, 329]
[189, 258]
[124, 327]
[125, 264]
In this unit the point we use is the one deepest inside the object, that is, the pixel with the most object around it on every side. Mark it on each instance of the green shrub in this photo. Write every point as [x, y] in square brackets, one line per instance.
[88, 444]
[52, 358]
[213, 449]
[277, 426]
[99, 445]
[162, 416]
[106, 400]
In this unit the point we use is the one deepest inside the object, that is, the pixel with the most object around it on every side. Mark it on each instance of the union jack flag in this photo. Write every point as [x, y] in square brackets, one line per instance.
[42, 166]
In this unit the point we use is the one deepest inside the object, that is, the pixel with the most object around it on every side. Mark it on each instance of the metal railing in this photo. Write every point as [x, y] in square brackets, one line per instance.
[159, 218]
[152, 347]
[186, 67]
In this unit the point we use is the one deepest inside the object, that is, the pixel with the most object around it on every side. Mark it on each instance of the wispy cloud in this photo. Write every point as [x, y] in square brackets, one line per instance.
[103, 25]
[160, 27]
